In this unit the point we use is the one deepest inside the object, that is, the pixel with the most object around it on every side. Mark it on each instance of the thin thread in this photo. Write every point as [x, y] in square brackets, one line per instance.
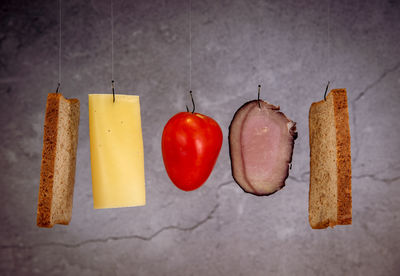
[112, 40]
[190, 45]
[329, 38]
[59, 48]
[259, 45]
[328, 71]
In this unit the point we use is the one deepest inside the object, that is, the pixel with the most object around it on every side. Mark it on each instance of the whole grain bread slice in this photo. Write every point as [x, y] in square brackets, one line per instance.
[57, 174]
[330, 199]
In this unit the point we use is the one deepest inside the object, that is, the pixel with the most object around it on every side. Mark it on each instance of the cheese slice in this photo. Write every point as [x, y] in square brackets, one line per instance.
[116, 149]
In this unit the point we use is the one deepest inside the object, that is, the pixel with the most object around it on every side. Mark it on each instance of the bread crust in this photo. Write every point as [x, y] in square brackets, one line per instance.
[48, 160]
[343, 148]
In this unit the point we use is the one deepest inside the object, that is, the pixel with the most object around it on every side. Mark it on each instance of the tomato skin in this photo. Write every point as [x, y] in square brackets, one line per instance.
[190, 144]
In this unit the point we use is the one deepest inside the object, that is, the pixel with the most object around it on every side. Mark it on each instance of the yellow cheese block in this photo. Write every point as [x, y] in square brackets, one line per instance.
[116, 149]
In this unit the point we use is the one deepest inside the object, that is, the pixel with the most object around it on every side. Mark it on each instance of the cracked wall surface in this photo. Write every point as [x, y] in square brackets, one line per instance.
[217, 229]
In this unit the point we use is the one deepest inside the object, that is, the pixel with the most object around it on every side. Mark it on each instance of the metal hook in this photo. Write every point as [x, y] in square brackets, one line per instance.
[326, 90]
[194, 107]
[258, 99]
[113, 90]
[58, 88]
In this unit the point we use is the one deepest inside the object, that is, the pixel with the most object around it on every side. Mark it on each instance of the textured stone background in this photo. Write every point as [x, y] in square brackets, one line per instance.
[217, 229]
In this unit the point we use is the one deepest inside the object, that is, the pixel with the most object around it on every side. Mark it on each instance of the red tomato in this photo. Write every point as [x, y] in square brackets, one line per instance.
[190, 145]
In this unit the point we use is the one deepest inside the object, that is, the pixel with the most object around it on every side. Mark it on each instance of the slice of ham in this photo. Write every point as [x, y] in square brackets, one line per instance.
[261, 140]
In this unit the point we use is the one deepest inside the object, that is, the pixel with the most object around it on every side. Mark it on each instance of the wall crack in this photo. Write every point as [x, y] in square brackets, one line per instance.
[360, 96]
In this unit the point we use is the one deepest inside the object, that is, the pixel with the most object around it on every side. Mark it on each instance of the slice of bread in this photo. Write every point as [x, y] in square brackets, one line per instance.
[57, 174]
[330, 162]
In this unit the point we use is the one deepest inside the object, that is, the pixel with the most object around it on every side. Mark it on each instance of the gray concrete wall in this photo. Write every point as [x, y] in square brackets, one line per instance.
[217, 229]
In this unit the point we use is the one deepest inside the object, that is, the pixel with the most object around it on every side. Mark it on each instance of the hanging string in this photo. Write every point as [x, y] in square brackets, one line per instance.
[329, 47]
[59, 49]
[190, 45]
[329, 36]
[259, 31]
[112, 50]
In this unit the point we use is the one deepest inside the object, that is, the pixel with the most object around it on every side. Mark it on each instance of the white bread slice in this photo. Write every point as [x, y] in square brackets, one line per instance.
[330, 201]
[57, 174]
